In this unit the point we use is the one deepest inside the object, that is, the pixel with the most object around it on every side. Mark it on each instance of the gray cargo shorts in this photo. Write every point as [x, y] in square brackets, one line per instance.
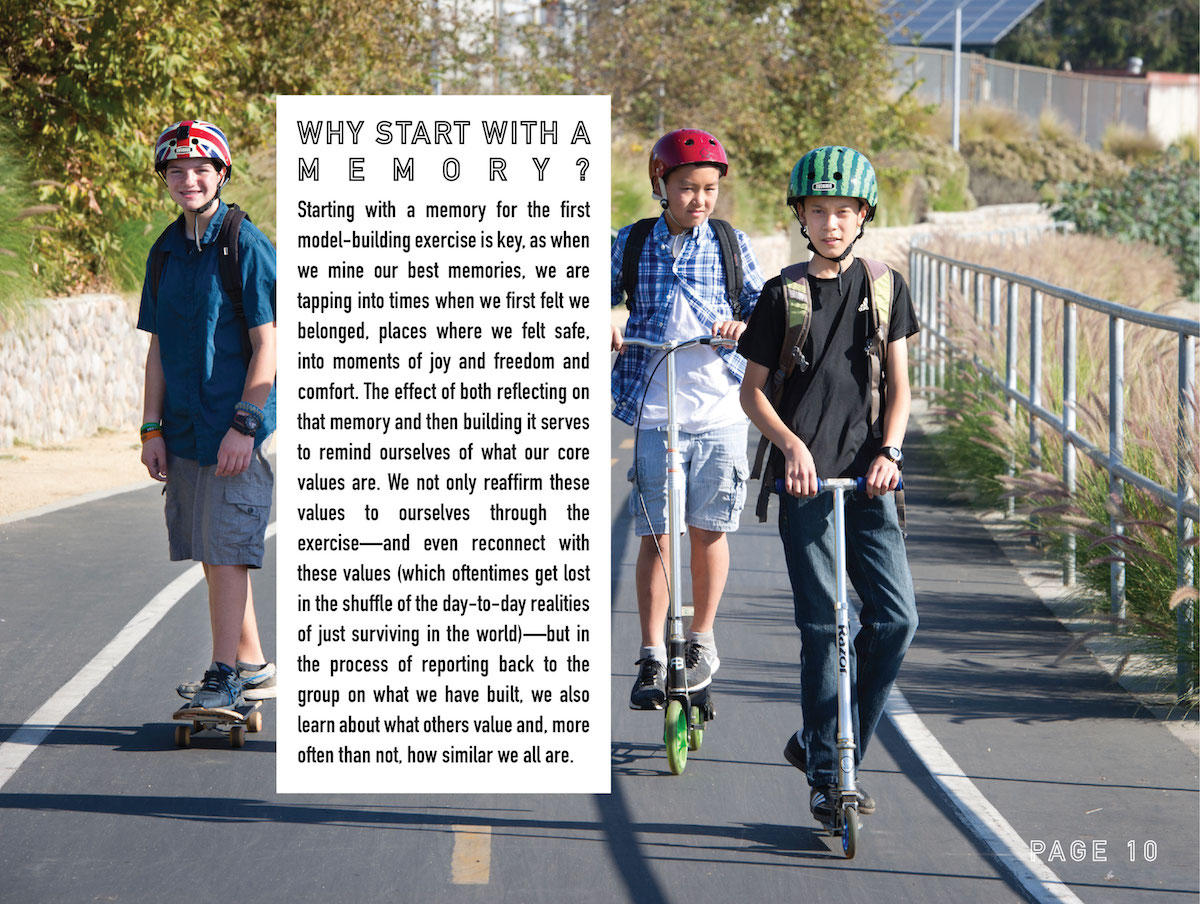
[218, 520]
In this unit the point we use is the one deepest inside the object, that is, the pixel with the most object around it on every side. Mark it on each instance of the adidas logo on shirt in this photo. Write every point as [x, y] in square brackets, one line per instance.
[862, 307]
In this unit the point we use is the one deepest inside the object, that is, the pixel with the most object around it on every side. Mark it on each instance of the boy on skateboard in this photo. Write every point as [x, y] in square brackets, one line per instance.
[682, 291]
[210, 402]
[842, 412]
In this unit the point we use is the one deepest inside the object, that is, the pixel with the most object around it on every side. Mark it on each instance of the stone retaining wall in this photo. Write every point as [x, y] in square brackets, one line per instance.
[69, 368]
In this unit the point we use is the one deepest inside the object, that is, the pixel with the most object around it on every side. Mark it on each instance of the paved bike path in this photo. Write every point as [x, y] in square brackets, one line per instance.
[107, 807]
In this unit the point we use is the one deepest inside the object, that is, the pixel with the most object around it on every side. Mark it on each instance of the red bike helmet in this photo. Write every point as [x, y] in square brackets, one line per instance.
[679, 148]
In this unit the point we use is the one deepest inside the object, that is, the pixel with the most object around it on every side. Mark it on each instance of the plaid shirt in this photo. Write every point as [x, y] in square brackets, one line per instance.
[699, 272]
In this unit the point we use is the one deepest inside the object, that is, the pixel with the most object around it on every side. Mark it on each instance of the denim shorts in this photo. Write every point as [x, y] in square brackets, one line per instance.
[218, 520]
[715, 472]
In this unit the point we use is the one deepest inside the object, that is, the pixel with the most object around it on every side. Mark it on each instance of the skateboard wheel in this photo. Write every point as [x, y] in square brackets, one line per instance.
[675, 736]
[254, 722]
[237, 736]
[183, 736]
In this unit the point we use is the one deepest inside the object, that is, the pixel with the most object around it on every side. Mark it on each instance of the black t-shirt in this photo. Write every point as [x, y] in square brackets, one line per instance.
[828, 405]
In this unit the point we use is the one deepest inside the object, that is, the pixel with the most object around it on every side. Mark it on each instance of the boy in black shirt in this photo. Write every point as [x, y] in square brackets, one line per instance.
[842, 412]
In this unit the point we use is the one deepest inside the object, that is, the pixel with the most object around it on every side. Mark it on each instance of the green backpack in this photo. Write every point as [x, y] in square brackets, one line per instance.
[799, 320]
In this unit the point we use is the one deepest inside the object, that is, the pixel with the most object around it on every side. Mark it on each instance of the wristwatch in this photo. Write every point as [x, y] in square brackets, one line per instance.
[245, 423]
[893, 454]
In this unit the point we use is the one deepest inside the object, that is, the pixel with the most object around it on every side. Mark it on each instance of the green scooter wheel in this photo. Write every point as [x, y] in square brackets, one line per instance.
[696, 729]
[675, 736]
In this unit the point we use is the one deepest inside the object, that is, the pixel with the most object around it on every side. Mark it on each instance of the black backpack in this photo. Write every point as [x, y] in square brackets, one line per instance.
[228, 264]
[731, 259]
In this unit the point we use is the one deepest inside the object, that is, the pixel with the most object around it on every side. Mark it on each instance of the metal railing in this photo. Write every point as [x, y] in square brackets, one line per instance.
[931, 276]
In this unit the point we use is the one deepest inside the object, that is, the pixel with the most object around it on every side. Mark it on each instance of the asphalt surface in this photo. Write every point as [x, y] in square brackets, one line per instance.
[105, 807]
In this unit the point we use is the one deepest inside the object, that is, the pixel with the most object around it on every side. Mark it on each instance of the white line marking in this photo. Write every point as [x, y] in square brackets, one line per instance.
[975, 809]
[22, 742]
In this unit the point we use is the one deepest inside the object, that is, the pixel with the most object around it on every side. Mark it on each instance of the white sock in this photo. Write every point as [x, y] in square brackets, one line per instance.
[704, 639]
[659, 654]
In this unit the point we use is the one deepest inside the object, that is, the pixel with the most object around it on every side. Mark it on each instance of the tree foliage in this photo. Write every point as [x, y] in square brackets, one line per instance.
[1103, 34]
[87, 85]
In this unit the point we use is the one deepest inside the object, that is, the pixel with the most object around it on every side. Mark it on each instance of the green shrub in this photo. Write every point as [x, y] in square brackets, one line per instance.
[1156, 204]
[1130, 145]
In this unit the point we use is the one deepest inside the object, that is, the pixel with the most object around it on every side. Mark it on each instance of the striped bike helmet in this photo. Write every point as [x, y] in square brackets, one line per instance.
[834, 172]
[192, 138]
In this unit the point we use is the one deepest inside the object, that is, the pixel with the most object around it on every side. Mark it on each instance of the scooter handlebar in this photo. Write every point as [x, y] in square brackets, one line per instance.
[833, 483]
[718, 341]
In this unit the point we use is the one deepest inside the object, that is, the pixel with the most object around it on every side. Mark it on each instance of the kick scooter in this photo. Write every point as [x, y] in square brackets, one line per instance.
[686, 712]
[844, 804]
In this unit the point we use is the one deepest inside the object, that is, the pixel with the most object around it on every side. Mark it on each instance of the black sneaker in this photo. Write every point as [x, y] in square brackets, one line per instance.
[702, 663]
[795, 754]
[649, 688]
[820, 804]
[221, 688]
[866, 803]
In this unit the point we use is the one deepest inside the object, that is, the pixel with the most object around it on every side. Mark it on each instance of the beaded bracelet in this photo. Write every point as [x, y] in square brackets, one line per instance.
[250, 408]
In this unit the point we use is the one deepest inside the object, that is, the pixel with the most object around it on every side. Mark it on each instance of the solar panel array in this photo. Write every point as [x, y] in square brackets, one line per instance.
[930, 23]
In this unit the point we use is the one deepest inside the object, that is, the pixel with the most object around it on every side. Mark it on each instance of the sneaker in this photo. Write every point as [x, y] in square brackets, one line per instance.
[649, 689]
[795, 754]
[820, 804]
[866, 803]
[702, 663]
[257, 684]
[220, 689]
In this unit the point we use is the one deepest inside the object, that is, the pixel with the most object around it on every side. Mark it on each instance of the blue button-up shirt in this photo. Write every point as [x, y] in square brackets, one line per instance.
[200, 338]
[698, 271]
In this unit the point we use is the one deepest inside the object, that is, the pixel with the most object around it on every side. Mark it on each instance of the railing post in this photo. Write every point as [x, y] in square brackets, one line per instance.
[1010, 375]
[978, 298]
[926, 321]
[1185, 528]
[1035, 374]
[1070, 355]
[1116, 456]
[943, 301]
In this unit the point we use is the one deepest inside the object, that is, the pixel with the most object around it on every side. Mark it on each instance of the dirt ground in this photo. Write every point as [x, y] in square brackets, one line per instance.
[31, 478]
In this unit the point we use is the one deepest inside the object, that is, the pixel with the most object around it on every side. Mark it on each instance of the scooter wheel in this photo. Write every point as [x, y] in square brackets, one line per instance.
[675, 736]
[696, 729]
[850, 827]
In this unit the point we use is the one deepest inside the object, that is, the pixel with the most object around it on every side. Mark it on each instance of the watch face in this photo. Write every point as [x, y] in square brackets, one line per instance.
[252, 423]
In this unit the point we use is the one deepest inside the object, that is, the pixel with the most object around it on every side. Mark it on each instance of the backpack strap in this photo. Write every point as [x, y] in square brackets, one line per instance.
[632, 255]
[879, 295]
[731, 259]
[797, 320]
[229, 265]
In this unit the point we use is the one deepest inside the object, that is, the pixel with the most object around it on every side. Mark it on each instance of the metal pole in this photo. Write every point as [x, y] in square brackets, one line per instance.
[1035, 373]
[1070, 323]
[1185, 528]
[1116, 455]
[956, 104]
[1010, 377]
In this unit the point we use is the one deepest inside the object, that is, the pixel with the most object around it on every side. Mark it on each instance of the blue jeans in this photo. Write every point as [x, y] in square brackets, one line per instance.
[877, 566]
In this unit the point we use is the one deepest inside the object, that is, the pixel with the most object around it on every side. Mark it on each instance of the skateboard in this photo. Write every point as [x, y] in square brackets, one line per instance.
[236, 720]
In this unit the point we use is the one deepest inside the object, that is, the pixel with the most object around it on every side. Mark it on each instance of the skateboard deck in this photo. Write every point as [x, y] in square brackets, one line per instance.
[235, 720]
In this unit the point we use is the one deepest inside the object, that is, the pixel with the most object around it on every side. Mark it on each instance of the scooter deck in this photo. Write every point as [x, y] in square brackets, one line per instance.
[234, 721]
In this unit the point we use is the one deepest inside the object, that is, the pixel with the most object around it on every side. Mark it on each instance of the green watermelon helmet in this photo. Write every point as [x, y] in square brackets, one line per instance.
[834, 172]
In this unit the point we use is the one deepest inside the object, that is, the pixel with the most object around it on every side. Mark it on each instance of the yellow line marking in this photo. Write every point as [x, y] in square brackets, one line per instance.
[627, 444]
[471, 860]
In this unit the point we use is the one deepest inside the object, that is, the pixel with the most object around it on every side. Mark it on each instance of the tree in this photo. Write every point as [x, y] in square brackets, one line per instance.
[1103, 34]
